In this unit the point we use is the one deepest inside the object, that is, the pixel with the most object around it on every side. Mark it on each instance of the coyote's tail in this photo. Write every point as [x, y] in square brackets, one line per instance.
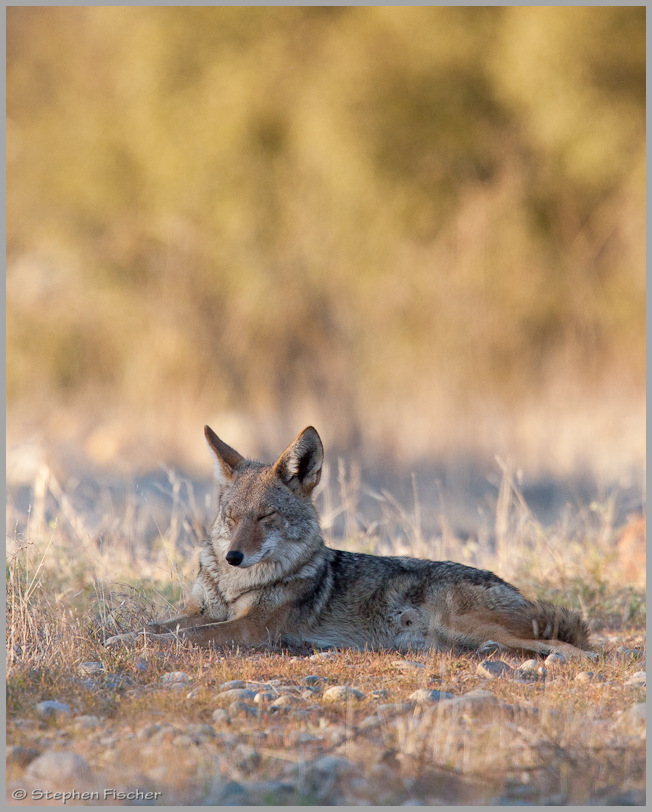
[548, 622]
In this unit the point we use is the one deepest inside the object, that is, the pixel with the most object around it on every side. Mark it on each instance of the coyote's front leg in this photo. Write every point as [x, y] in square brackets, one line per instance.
[161, 630]
[253, 628]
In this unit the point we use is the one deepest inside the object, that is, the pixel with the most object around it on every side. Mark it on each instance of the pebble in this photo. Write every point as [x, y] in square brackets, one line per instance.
[313, 680]
[220, 716]
[116, 681]
[234, 683]
[52, 709]
[263, 697]
[407, 665]
[322, 655]
[199, 732]
[629, 653]
[339, 692]
[555, 658]
[176, 678]
[282, 702]
[58, 766]
[422, 695]
[235, 694]
[471, 703]
[90, 668]
[239, 708]
[588, 676]
[637, 680]
[493, 668]
[86, 722]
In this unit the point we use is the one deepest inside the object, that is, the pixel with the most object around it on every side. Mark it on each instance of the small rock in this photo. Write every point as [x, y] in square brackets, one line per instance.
[407, 665]
[339, 692]
[90, 668]
[629, 653]
[427, 695]
[282, 703]
[264, 697]
[322, 655]
[490, 647]
[555, 658]
[472, 703]
[313, 680]
[51, 709]
[183, 741]
[199, 732]
[529, 671]
[175, 678]
[58, 766]
[235, 694]
[234, 683]
[380, 693]
[637, 680]
[478, 695]
[21, 756]
[115, 682]
[141, 664]
[588, 676]
[220, 716]
[493, 668]
[239, 708]
[86, 722]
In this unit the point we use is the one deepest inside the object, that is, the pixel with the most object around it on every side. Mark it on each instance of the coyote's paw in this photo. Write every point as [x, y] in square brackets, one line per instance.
[122, 639]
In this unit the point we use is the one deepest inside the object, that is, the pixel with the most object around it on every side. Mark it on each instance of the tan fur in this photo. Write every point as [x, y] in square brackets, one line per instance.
[266, 575]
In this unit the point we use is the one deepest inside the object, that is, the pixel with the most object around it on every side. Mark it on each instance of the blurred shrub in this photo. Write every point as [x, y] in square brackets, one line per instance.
[331, 207]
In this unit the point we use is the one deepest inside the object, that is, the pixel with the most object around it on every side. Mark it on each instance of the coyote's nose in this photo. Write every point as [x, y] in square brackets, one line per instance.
[234, 557]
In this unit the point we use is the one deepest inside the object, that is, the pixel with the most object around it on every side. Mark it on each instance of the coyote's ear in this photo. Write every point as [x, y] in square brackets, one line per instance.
[299, 466]
[227, 460]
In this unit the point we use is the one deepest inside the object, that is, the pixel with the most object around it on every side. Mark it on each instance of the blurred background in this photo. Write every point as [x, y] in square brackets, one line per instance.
[420, 229]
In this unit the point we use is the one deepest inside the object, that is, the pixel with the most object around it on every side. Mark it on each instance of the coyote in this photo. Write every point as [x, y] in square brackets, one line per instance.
[266, 575]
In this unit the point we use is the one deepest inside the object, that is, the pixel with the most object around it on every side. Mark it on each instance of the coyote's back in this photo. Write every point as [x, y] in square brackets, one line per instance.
[265, 574]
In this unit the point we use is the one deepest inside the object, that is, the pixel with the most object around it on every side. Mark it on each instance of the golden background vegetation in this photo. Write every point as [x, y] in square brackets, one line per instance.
[420, 229]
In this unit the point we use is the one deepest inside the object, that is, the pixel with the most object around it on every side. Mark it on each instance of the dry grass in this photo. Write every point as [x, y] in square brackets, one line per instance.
[70, 585]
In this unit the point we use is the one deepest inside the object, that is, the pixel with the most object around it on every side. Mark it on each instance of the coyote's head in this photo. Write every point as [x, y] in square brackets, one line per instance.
[265, 512]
